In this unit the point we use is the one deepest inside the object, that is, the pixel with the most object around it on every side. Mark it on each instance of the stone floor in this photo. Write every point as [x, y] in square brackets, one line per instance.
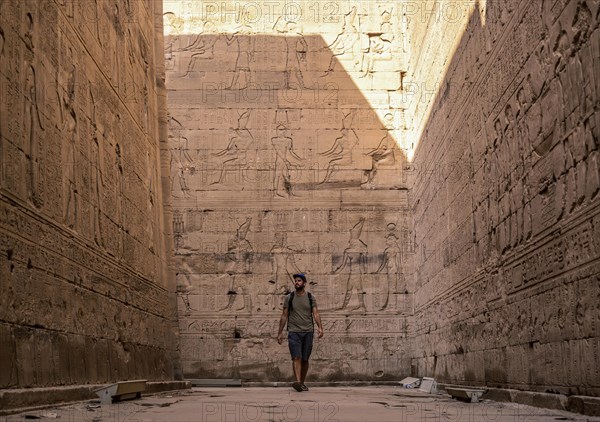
[320, 404]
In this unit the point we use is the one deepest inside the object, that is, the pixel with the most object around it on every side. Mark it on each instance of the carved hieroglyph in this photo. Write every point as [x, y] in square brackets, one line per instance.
[284, 159]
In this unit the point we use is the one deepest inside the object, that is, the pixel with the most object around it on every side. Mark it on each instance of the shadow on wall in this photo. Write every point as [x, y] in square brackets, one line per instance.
[282, 127]
[498, 233]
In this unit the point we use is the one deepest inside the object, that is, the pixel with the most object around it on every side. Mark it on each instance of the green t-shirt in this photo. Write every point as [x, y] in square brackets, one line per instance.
[300, 320]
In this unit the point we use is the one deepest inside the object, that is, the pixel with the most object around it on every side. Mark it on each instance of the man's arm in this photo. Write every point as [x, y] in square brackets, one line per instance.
[282, 322]
[317, 319]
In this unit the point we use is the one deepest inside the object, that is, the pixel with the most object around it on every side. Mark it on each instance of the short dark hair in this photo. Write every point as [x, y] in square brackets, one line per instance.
[300, 275]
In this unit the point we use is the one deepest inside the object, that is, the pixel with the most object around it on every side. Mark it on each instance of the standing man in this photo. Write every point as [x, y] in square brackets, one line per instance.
[300, 312]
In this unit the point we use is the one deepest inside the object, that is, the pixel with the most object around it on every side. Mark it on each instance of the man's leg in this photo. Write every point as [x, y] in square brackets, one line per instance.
[298, 366]
[307, 343]
[304, 370]
[295, 345]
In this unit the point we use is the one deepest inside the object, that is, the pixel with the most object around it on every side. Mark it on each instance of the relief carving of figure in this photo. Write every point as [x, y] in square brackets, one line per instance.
[97, 176]
[184, 285]
[33, 121]
[296, 64]
[181, 161]
[203, 47]
[496, 162]
[392, 265]
[240, 254]
[237, 152]
[340, 152]
[284, 151]
[383, 155]
[173, 24]
[150, 221]
[522, 131]
[353, 266]
[200, 44]
[69, 154]
[380, 44]
[284, 266]
[512, 144]
[244, 40]
[347, 41]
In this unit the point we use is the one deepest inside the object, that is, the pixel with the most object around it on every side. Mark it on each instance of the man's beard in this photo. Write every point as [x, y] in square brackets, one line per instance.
[299, 288]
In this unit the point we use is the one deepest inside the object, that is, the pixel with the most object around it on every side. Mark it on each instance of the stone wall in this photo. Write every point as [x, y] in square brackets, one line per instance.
[508, 232]
[84, 291]
[287, 153]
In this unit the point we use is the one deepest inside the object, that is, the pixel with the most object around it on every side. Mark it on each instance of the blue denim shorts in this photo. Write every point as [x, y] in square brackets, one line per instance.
[300, 345]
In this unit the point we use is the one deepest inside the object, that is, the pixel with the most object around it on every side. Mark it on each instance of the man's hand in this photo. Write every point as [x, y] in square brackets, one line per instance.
[319, 332]
[282, 321]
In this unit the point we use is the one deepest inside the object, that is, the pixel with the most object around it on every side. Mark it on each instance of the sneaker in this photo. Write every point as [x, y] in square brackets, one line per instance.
[297, 386]
[304, 387]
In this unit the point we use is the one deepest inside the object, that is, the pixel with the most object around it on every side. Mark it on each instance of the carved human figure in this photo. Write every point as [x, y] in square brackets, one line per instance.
[29, 33]
[380, 44]
[203, 46]
[109, 25]
[353, 266]
[296, 52]
[347, 41]
[244, 40]
[239, 255]
[132, 47]
[383, 155]
[340, 152]
[200, 43]
[97, 176]
[392, 265]
[150, 203]
[32, 119]
[173, 24]
[512, 144]
[497, 165]
[284, 266]
[96, 8]
[184, 285]
[69, 154]
[284, 151]
[181, 161]
[239, 147]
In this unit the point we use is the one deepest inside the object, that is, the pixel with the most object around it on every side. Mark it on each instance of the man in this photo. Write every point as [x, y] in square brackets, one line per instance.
[300, 312]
